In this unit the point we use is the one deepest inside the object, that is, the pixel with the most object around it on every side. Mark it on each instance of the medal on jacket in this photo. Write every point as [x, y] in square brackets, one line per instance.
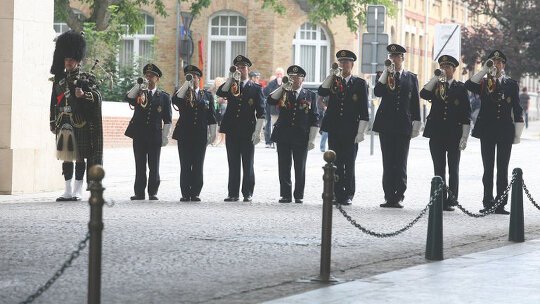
[491, 84]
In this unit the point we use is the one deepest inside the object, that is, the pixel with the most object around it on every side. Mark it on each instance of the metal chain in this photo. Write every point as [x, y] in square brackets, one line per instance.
[75, 254]
[491, 210]
[394, 233]
[530, 196]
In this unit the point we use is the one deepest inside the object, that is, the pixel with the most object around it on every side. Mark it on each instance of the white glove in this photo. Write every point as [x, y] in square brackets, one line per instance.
[312, 134]
[464, 136]
[211, 136]
[134, 91]
[362, 126]
[478, 76]
[227, 85]
[431, 84]
[384, 76]
[416, 125]
[327, 82]
[256, 137]
[519, 129]
[277, 93]
[165, 134]
[183, 89]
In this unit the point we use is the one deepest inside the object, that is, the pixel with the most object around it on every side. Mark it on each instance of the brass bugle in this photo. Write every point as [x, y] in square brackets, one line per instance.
[388, 62]
[438, 72]
[489, 63]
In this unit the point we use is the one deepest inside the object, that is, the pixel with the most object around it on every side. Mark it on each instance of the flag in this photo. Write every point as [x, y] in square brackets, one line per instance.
[201, 61]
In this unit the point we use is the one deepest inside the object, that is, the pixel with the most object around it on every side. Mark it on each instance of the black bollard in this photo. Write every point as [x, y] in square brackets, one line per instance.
[434, 243]
[328, 196]
[517, 231]
[96, 174]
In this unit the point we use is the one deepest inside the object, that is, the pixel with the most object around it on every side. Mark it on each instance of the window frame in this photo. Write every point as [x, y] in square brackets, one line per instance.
[298, 42]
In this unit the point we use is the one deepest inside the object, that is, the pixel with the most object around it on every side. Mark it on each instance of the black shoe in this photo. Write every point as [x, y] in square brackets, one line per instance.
[285, 200]
[390, 204]
[137, 198]
[66, 199]
[195, 199]
[184, 199]
[500, 210]
[247, 199]
[298, 200]
[487, 206]
[153, 198]
[231, 199]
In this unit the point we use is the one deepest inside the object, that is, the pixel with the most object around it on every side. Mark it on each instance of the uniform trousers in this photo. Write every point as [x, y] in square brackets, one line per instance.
[346, 151]
[240, 152]
[488, 148]
[287, 153]
[146, 152]
[442, 149]
[191, 167]
[395, 151]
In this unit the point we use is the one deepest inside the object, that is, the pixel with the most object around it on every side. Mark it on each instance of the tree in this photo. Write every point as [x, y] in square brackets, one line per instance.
[110, 19]
[513, 29]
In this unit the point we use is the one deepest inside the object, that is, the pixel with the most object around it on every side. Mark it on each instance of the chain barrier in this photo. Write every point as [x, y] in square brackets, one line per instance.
[75, 254]
[530, 196]
[394, 233]
[491, 210]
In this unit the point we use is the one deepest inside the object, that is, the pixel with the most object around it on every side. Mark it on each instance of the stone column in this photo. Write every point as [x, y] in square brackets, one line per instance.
[27, 159]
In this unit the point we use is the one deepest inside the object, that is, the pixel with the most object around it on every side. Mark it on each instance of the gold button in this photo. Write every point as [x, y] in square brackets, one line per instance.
[292, 124]
[237, 115]
[340, 114]
[498, 117]
[444, 118]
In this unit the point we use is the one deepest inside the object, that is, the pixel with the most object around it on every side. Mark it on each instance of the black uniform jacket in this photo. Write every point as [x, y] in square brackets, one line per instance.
[146, 122]
[343, 115]
[398, 108]
[494, 120]
[447, 116]
[242, 111]
[296, 117]
[194, 119]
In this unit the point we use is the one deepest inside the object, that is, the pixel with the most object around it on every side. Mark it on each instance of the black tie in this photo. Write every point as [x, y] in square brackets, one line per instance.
[241, 85]
[294, 95]
[150, 93]
[397, 76]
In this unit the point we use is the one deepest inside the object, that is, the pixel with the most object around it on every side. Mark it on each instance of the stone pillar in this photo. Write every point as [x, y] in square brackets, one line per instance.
[27, 159]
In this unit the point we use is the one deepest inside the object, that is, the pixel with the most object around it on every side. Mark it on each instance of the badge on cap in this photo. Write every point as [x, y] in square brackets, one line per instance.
[343, 53]
[393, 48]
[295, 69]
[444, 58]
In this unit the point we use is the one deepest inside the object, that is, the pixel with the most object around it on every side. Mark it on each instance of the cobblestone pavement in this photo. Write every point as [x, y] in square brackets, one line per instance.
[218, 252]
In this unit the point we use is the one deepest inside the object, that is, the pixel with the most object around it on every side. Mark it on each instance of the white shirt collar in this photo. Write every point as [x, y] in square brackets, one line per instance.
[450, 81]
[153, 91]
[298, 91]
[501, 78]
[245, 82]
[348, 78]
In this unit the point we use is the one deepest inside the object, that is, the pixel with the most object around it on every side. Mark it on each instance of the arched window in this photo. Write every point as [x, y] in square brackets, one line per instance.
[311, 51]
[137, 47]
[227, 39]
[62, 27]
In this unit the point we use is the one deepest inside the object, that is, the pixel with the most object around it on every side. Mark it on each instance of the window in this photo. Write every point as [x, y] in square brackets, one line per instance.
[227, 39]
[137, 47]
[311, 51]
[62, 27]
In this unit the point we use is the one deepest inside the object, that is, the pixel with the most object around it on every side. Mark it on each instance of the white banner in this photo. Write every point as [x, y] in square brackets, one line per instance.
[447, 41]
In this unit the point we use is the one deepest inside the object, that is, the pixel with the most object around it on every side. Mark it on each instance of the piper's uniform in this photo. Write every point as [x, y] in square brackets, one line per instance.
[346, 108]
[450, 111]
[76, 121]
[145, 128]
[239, 123]
[500, 110]
[394, 123]
[191, 132]
[297, 114]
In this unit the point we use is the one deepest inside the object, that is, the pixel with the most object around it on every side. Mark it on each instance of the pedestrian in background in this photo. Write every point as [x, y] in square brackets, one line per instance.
[524, 101]
[271, 111]
[322, 103]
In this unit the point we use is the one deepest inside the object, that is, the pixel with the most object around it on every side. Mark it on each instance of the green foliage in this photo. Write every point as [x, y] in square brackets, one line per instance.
[354, 10]
[513, 29]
